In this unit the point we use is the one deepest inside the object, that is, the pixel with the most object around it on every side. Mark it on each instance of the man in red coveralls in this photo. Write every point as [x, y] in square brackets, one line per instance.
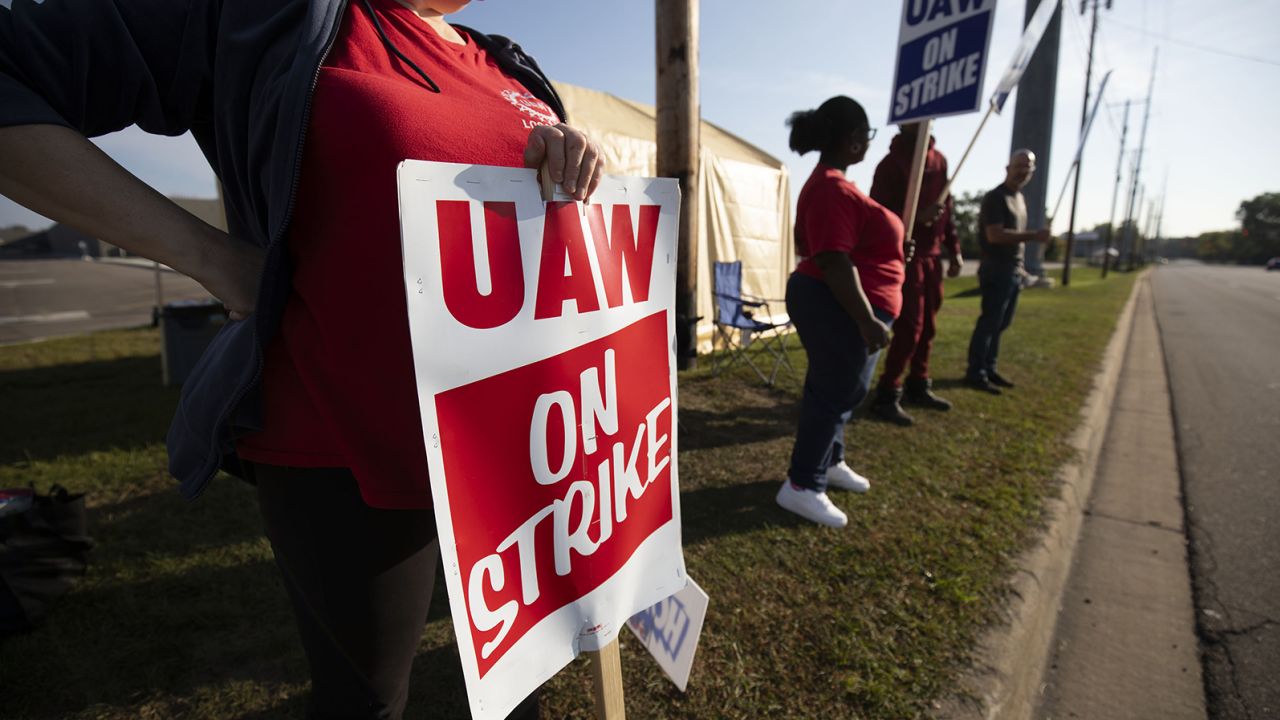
[914, 329]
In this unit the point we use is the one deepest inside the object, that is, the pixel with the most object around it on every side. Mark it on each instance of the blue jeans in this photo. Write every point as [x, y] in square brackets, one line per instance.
[1000, 288]
[839, 374]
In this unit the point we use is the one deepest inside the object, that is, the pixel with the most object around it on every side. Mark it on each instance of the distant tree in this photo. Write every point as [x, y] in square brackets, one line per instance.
[1217, 246]
[1259, 237]
[13, 232]
[966, 219]
[1179, 247]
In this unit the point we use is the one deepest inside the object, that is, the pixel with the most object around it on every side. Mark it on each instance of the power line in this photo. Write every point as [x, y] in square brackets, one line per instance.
[1196, 46]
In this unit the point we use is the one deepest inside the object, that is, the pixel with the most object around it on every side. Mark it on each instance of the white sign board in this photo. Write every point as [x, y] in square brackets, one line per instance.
[543, 346]
[670, 631]
[942, 57]
[1022, 55]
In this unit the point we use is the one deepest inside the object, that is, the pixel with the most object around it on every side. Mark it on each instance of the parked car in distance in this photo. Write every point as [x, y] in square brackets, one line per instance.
[1273, 263]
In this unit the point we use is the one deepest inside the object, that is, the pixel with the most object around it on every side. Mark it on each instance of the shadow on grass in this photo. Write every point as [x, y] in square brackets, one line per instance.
[178, 597]
[121, 643]
[707, 429]
[715, 512]
[75, 409]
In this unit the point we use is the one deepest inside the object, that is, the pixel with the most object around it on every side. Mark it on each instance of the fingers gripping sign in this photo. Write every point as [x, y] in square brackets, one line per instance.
[572, 158]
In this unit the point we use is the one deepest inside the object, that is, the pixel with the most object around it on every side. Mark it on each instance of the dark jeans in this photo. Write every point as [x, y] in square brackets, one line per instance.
[839, 374]
[360, 581]
[1000, 288]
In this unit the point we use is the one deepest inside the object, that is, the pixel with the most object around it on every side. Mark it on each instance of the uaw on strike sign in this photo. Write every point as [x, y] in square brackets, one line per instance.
[543, 343]
[942, 52]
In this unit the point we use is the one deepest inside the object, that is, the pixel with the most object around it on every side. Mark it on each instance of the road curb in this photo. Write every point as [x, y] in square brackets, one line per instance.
[1008, 667]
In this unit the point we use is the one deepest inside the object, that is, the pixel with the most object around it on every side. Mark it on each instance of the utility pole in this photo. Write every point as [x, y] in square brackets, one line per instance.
[1147, 227]
[1142, 144]
[1115, 195]
[1084, 120]
[1033, 125]
[679, 118]
[1133, 231]
[1164, 189]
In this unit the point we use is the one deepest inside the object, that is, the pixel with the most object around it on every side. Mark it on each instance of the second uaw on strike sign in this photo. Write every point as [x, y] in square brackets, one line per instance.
[543, 344]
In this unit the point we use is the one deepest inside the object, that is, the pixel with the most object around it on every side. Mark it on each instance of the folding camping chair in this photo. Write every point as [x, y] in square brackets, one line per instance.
[737, 329]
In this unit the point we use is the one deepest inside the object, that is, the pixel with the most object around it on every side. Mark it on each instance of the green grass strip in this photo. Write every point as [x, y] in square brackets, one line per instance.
[181, 613]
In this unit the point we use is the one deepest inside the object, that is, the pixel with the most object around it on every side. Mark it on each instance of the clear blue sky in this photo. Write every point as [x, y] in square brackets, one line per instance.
[1211, 121]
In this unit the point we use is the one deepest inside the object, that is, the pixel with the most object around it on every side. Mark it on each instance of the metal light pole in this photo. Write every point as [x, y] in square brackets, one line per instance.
[1033, 125]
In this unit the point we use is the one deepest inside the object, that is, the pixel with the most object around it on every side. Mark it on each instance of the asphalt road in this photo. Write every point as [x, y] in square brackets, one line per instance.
[50, 298]
[1220, 327]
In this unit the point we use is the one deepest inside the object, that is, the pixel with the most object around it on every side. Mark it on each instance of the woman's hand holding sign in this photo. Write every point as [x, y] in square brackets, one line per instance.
[572, 157]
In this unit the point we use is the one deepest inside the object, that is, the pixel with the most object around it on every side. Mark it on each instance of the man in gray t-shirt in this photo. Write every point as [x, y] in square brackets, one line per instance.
[1002, 231]
[1007, 208]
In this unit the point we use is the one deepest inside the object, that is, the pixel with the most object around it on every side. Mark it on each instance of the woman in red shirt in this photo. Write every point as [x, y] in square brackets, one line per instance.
[842, 297]
[340, 463]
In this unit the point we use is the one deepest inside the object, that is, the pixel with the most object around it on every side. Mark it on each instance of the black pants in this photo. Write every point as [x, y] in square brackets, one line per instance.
[360, 581]
[1000, 288]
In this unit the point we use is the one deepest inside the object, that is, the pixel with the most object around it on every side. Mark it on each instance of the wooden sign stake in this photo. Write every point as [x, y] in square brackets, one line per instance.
[974, 141]
[914, 181]
[606, 678]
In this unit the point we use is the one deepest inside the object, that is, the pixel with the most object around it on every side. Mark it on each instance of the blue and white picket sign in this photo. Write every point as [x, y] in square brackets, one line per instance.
[1022, 56]
[670, 631]
[942, 57]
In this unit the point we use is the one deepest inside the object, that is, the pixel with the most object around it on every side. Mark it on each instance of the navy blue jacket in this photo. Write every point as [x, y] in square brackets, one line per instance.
[239, 76]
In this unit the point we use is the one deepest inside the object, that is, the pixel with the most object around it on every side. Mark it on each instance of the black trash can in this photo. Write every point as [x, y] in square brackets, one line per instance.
[186, 329]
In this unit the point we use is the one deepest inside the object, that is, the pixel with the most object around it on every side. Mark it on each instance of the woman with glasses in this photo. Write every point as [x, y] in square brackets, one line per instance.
[842, 297]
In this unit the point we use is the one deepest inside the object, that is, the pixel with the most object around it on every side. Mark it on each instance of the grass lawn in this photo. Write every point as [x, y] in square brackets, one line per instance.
[181, 614]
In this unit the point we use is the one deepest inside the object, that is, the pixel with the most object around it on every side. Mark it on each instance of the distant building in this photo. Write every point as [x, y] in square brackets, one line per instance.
[57, 241]
[1086, 244]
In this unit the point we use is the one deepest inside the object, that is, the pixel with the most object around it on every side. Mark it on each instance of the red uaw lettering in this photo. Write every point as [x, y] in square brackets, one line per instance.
[565, 270]
[621, 246]
[487, 294]
[537, 530]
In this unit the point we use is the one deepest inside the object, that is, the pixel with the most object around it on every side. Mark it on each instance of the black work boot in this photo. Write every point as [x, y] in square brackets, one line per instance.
[919, 392]
[886, 406]
[999, 380]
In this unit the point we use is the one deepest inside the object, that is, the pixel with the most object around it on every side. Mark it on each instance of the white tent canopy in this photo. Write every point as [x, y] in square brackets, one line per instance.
[744, 201]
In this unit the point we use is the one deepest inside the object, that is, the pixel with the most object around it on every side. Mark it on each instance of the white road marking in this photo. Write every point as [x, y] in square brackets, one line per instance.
[11, 284]
[45, 317]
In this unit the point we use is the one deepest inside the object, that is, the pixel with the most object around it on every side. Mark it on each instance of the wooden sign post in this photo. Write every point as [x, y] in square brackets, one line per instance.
[914, 181]
[606, 680]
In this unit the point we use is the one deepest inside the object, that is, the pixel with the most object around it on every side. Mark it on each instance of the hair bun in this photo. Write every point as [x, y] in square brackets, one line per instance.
[832, 122]
[809, 131]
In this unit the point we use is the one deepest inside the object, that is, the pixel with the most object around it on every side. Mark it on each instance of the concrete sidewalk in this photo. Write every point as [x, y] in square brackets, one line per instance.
[1114, 557]
[1126, 645]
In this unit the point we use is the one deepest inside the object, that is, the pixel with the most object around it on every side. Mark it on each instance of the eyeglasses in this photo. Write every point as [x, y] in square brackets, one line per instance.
[871, 134]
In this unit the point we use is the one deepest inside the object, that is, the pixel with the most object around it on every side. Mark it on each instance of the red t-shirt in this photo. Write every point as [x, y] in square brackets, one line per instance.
[832, 214]
[338, 381]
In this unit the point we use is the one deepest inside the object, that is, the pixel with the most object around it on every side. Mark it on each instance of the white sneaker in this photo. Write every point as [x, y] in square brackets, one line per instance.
[843, 477]
[811, 505]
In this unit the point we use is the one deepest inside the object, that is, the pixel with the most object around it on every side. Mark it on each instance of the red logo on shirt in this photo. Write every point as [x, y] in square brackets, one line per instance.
[529, 105]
